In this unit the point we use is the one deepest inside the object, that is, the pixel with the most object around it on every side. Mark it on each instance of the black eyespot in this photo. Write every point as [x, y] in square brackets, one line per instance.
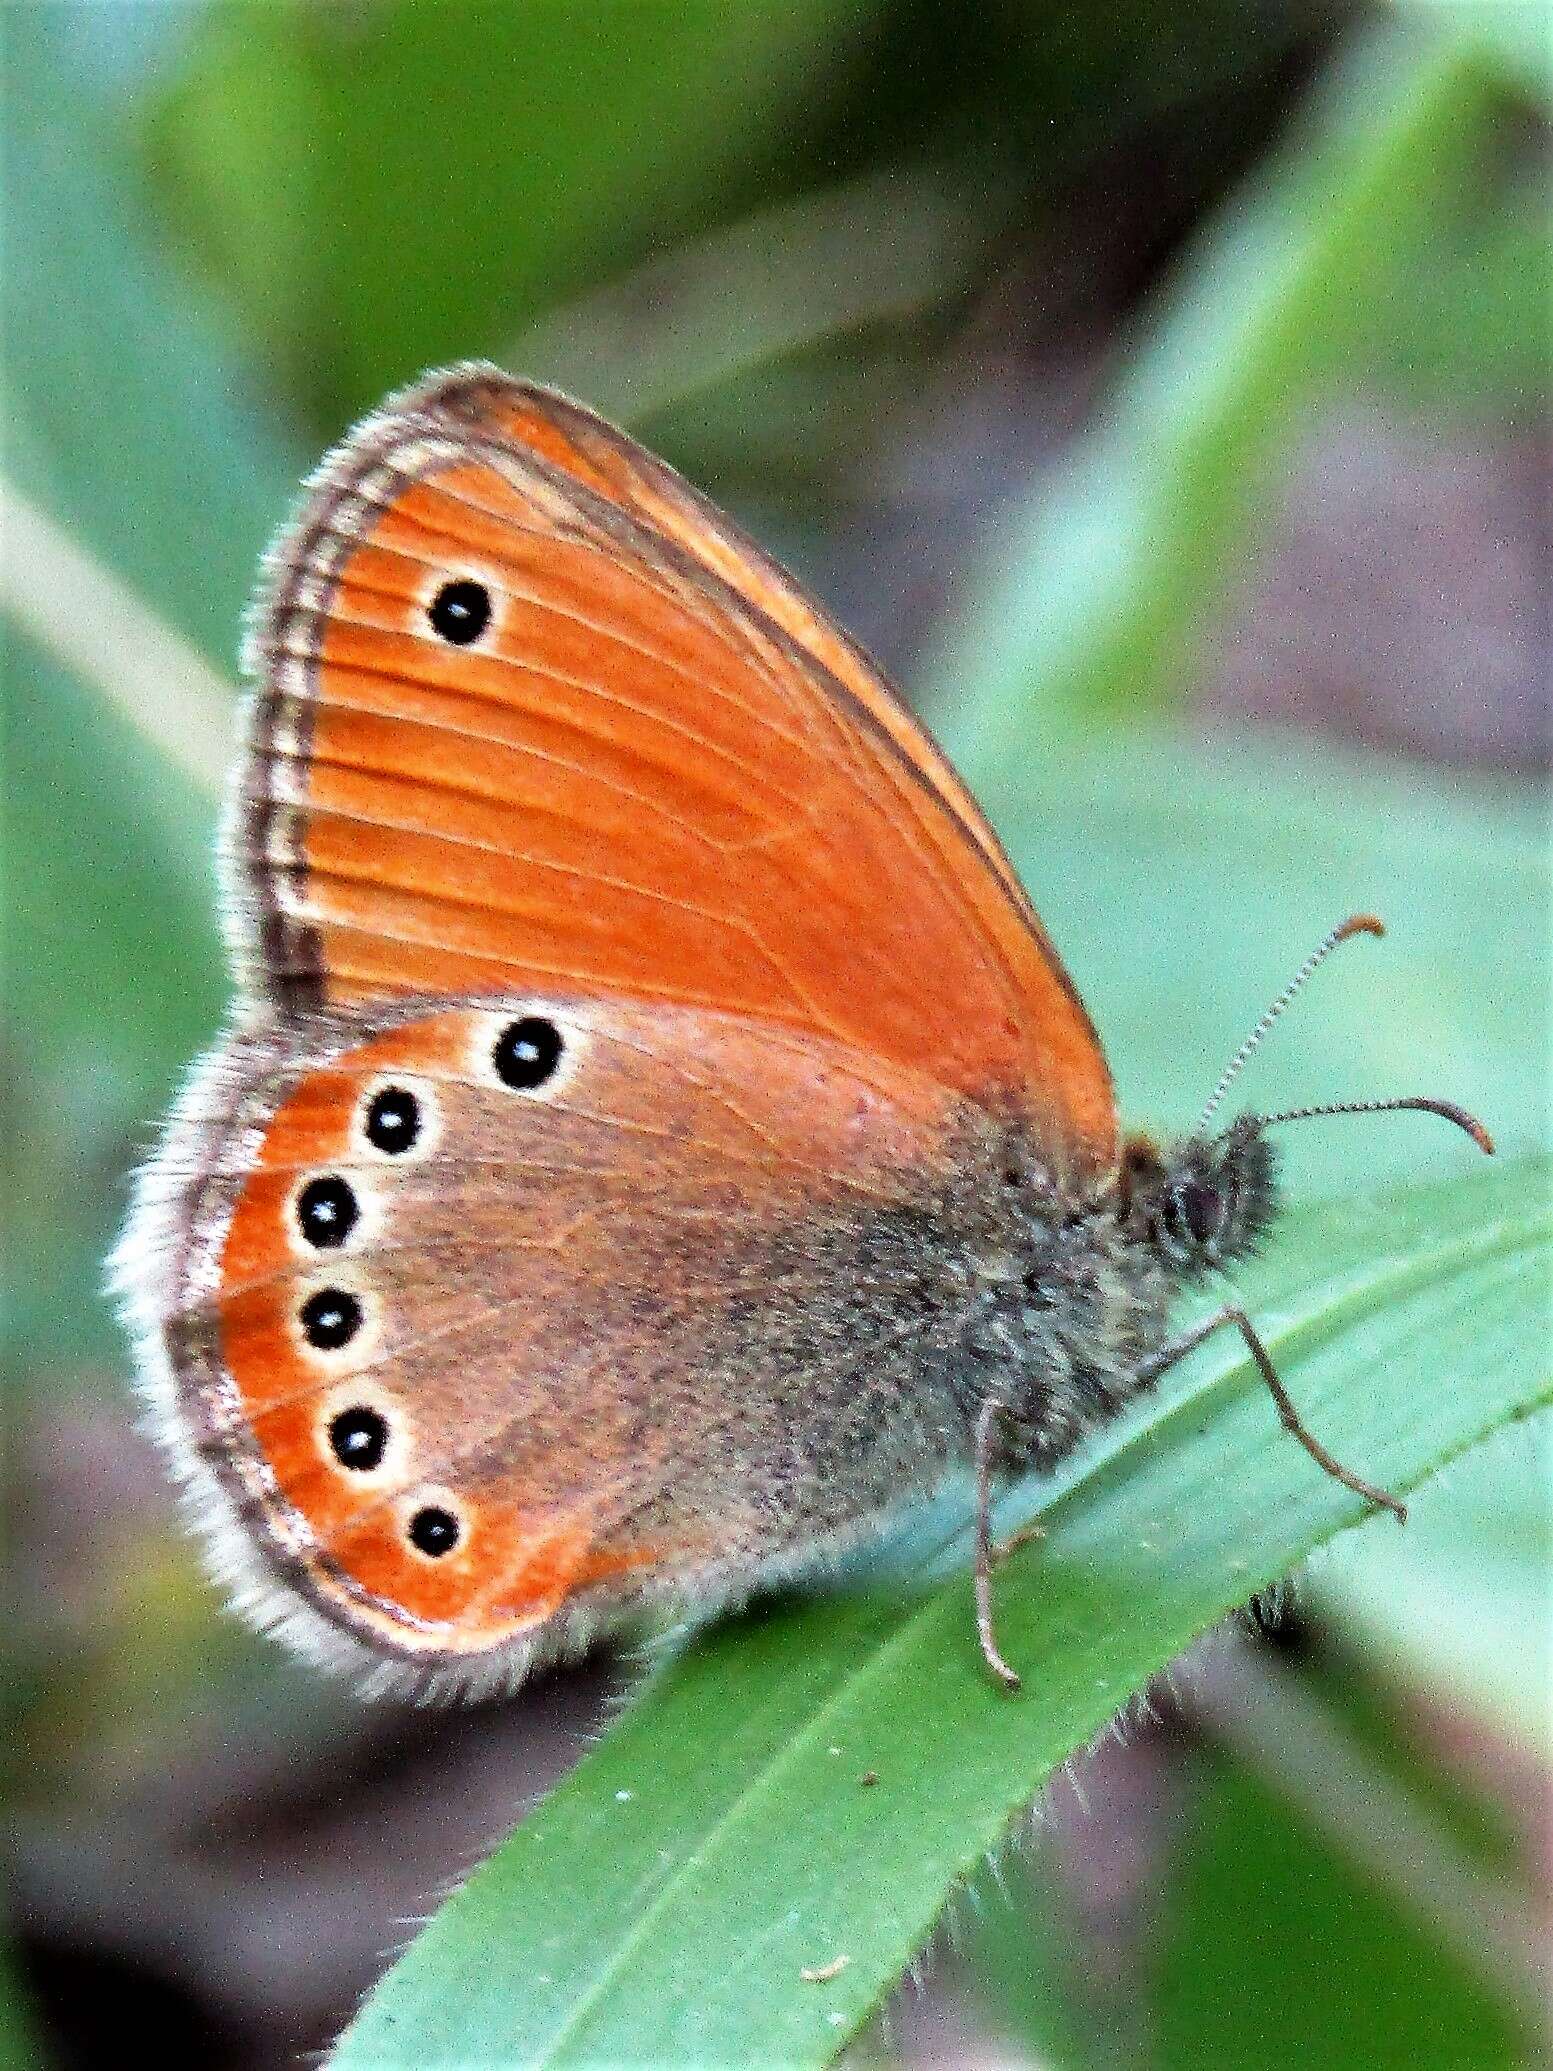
[1201, 1208]
[327, 1210]
[460, 611]
[527, 1052]
[434, 1531]
[330, 1318]
[393, 1120]
[359, 1438]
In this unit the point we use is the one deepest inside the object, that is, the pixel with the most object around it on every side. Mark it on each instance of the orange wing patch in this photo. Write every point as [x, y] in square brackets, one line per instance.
[584, 445]
[511, 1565]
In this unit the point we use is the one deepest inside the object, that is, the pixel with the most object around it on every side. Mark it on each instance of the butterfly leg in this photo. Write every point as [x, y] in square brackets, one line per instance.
[987, 1556]
[1288, 1415]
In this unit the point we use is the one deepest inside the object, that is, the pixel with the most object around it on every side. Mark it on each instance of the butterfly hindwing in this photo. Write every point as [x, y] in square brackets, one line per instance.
[483, 1320]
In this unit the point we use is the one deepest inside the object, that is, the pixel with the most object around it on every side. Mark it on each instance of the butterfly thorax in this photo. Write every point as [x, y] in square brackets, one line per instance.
[1070, 1299]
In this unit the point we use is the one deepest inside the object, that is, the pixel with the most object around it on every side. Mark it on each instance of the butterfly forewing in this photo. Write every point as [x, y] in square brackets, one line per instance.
[642, 763]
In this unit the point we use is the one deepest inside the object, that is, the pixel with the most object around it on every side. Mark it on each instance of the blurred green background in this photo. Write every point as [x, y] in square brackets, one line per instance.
[1163, 393]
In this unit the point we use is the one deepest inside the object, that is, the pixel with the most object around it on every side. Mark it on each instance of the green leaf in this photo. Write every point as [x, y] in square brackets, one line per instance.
[119, 984]
[1025, 1967]
[125, 420]
[1284, 1947]
[1461, 1605]
[1513, 35]
[1100, 591]
[1183, 889]
[1470, 331]
[876, 251]
[128, 431]
[713, 1847]
[565, 144]
[1333, 1973]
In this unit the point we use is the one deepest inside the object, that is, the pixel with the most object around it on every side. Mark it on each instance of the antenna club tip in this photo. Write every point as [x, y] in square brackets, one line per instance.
[1468, 1122]
[1359, 924]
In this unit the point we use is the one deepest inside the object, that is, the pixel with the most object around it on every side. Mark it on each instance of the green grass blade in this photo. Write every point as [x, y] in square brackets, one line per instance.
[1359, 1773]
[879, 250]
[1514, 35]
[714, 1846]
[1019, 1948]
[1463, 1606]
[1337, 1973]
[148, 487]
[1183, 890]
[280, 142]
[125, 421]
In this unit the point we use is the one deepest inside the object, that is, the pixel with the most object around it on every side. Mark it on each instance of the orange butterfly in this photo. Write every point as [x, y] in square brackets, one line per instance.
[657, 1135]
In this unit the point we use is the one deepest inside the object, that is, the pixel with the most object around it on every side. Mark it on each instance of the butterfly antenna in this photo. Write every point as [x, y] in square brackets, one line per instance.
[1356, 924]
[1447, 1108]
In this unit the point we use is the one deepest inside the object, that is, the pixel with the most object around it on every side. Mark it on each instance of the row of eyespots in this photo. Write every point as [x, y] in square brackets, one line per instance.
[525, 1055]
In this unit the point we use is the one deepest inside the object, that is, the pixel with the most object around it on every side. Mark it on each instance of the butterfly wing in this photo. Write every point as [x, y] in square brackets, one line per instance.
[639, 1011]
[531, 713]
[480, 1322]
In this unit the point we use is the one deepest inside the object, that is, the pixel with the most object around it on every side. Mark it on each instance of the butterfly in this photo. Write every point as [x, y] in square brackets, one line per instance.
[656, 1135]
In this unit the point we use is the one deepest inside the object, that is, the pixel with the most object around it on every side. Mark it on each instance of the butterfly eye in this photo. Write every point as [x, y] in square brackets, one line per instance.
[527, 1052]
[434, 1531]
[327, 1211]
[358, 1439]
[330, 1318]
[460, 611]
[393, 1122]
[1201, 1208]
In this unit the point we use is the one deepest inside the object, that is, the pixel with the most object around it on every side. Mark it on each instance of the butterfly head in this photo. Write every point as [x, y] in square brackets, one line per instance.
[1203, 1201]
[1207, 1199]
